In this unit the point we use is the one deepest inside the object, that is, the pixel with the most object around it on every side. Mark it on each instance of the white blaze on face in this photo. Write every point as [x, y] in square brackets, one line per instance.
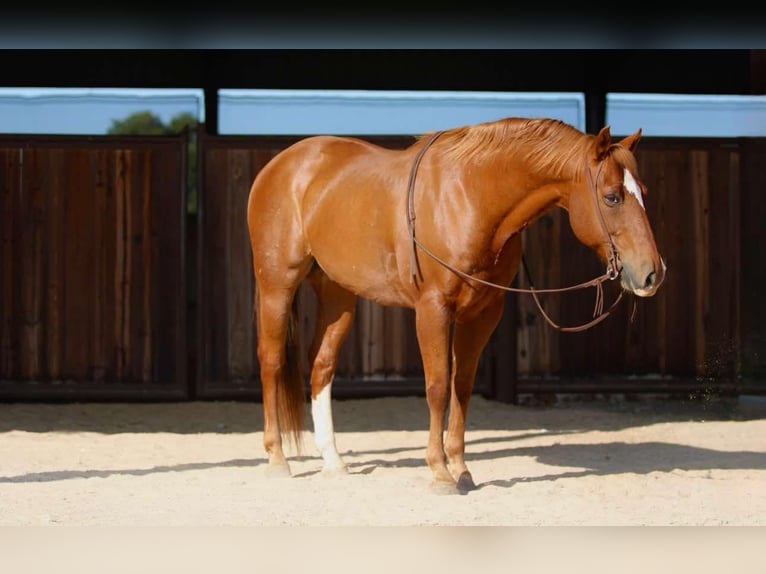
[632, 186]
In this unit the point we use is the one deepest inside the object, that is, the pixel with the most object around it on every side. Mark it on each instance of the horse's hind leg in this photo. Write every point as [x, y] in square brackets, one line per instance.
[273, 316]
[335, 317]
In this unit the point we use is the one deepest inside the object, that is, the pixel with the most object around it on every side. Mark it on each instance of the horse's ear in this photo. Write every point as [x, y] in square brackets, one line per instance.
[631, 141]
[602, 143]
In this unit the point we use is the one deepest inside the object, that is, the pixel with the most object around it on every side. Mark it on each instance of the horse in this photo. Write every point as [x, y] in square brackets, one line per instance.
[436, 228]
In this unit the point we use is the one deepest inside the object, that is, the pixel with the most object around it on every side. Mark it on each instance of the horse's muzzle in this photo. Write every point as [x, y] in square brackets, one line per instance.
[643, 282]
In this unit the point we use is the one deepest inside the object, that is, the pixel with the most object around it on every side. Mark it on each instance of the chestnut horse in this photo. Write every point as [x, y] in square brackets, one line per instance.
[436, 228]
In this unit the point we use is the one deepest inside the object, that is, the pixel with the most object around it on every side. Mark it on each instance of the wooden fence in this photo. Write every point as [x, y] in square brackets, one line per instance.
[93, 286]
[96, 245]
[702, 329]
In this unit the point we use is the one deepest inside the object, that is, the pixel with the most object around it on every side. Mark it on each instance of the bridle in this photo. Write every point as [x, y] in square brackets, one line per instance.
[614, 265]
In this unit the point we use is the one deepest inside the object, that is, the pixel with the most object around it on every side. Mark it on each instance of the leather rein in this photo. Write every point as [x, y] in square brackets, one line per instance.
[614, 266]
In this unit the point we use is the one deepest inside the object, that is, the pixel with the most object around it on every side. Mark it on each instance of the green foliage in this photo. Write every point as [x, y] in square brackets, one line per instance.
[180, 122]
[145, 123]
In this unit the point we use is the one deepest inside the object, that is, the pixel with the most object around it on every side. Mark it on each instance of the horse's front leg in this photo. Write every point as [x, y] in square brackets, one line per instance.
[432, 326]
[468, 341]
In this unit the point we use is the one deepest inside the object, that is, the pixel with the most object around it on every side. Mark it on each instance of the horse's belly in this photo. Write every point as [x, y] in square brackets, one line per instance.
[374, 277]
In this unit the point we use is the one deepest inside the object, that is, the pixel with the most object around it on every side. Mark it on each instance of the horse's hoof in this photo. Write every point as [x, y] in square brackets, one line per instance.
[444, 488]
[465, 482]
[278, 471]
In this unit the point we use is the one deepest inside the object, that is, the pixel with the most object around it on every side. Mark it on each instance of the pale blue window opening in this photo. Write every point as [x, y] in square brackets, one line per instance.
[382, 112]
[89, 111]
[686, 115]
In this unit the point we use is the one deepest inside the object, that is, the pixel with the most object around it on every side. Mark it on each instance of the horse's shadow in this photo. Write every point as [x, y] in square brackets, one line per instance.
[615, 458]
[602, 459]
[58, 475]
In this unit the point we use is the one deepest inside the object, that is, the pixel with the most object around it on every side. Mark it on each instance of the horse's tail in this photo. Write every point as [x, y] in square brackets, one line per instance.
[291, 394]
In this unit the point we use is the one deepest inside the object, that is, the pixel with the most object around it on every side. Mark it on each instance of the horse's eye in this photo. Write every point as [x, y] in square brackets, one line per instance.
[612, 199]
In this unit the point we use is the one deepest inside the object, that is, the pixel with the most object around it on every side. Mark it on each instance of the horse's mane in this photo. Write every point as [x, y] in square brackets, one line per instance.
[550, 144]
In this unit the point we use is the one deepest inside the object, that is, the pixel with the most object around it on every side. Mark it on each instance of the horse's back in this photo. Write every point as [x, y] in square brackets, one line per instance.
[311, 161]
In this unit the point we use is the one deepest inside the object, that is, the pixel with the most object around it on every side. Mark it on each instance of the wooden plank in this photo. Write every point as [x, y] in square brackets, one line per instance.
[147, 253]
[136, 326]
[215, 270]
[240, 267]
[722, 325]
[678, 348]
[79, 214]
[169, 279]
[752, 246]
[109, 262]
[10, 159]
[700, 209]
[55, 260]
[30, 250]
[98, 346]
[123, 192]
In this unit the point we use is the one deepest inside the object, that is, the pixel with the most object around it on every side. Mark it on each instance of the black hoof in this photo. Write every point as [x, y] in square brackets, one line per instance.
[465, 483]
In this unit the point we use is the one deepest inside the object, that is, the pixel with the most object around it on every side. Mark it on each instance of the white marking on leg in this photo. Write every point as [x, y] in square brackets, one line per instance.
[632, 186]
[324, 433]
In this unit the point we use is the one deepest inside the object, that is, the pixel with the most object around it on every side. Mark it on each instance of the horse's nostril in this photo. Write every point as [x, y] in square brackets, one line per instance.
[650, 280]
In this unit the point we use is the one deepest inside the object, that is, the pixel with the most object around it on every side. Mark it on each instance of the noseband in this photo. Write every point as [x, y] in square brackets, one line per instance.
[614, 266]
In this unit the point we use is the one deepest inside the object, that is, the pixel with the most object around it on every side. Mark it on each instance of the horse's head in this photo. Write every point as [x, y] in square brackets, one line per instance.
[607, 213]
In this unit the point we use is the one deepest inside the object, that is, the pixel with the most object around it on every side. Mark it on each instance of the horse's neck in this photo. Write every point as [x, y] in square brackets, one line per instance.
[523, 200]
[528, 186]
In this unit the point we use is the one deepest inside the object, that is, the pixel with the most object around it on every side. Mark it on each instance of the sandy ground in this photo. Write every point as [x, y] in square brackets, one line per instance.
[582, 461]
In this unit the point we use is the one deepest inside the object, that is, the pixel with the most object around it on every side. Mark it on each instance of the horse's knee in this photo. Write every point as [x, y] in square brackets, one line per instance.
[437, 392]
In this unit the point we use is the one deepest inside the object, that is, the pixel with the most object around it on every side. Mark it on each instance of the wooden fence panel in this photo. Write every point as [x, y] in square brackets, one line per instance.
[689, 330]
[93, 288]
[93, 265]
[752, 255]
